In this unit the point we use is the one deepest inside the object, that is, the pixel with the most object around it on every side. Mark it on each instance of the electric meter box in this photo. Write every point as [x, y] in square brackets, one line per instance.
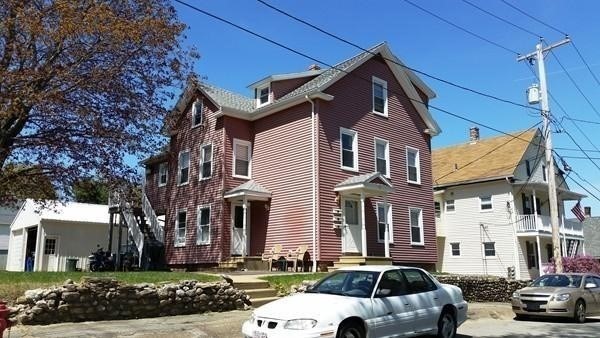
[533, 94]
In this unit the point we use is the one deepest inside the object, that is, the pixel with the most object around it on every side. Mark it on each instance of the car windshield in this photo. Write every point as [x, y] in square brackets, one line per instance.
[347, 283]
[566, 281]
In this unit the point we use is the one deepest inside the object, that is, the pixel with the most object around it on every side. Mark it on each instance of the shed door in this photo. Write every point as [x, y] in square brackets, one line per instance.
[50, 257]
[16, 262]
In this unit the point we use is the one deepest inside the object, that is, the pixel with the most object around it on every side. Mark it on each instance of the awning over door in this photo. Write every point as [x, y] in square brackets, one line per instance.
[373, 184]
[251, 191]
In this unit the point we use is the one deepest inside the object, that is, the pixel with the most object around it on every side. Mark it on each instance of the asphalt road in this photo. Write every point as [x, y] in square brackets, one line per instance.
[484, 322]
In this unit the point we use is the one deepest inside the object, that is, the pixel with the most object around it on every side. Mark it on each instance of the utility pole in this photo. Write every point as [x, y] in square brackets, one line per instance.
[538, 55]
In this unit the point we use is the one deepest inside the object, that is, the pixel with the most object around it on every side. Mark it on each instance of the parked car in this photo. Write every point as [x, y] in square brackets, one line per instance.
[364, 301]
[574, 295]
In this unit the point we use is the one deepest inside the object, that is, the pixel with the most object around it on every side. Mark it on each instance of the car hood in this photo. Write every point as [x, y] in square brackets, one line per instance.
[309, 306]
[546, 290]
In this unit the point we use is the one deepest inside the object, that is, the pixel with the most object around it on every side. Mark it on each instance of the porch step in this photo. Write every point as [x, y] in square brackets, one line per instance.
[261, 293]
[262, 301]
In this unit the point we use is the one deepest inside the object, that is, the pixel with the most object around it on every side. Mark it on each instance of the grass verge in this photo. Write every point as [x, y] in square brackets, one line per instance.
[14, 284]
[283, 283]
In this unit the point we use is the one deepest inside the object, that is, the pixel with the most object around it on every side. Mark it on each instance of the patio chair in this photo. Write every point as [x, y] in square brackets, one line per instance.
[272, 255]
[297, 255]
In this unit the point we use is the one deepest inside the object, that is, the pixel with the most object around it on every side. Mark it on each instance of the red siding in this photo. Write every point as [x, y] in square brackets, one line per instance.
[351, 108]
[281, 88]
[196, 192]
[156, 195]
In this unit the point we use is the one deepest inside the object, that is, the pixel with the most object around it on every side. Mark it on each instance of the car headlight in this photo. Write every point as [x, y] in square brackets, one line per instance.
[300, 324]
[516, 294]
[562, 297]
[252, 319]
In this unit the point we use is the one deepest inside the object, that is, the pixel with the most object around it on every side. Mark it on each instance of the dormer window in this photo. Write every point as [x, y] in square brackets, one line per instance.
[197, 113]
[263, 95]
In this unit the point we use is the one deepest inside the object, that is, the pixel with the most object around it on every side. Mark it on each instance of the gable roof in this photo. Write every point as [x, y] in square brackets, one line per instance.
[240, 106]
[287, 76]
[500, 157]
[248, 188]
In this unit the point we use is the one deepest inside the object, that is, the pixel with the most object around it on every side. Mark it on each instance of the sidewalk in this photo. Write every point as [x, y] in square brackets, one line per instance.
[214, 324]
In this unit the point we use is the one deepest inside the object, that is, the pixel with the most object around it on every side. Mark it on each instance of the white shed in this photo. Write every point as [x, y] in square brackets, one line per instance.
[53, 234]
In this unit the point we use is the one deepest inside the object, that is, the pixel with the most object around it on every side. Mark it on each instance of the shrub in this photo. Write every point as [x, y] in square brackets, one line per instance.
[577, 264]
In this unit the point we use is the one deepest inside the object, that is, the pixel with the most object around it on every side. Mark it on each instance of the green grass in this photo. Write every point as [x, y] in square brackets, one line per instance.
[14, 284]
[283, 283]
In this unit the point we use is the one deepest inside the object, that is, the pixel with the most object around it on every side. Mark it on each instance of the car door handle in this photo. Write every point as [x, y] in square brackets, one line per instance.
[390, 313]
[436, 298]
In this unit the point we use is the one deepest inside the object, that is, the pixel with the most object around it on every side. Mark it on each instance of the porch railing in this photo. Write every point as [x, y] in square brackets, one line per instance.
[536, 223]
[155, 226]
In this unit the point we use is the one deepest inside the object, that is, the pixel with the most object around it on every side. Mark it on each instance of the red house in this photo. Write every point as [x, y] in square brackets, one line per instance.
[338, 160]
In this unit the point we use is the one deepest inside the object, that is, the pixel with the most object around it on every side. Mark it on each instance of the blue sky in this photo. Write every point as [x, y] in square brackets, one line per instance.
[232, 59]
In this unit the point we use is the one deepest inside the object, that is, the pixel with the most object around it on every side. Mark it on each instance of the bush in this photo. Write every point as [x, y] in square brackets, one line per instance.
[577, 264]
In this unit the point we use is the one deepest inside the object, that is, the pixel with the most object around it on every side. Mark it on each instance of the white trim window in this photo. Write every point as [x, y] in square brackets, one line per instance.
[242, 158]
[262, 95]
[206, 160]
[183, 174]
[163, 174]
[485, 203]
[382, 156]
[437, 207]
[450, 206]
[455, 249]
[203, 225]
[413, 166]
[489, 249]
[416, 226]
[380, 98]
[50, 246]
[348, 149]
[197, 113]
[180, 227]
[383, 211]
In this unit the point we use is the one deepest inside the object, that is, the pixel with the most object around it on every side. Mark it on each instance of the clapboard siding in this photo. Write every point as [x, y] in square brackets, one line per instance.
[283, 87]
[351, 108]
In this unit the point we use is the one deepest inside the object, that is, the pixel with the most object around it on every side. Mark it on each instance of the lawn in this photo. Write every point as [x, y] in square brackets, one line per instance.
[14, 284]
[283, 283]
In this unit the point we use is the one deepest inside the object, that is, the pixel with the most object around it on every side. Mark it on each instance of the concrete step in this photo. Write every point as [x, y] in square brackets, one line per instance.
[250, 285]
[261, 293]
[262, 301]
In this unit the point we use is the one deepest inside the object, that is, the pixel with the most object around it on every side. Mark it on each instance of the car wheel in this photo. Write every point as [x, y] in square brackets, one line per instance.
[579, 312]
[447, 325]
[521, 317]
[350, 330]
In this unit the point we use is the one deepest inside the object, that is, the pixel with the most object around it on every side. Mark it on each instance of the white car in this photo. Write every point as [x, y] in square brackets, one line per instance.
[364, 301]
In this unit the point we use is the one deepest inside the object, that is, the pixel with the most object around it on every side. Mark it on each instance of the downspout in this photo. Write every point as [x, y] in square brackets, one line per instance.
[314, 181]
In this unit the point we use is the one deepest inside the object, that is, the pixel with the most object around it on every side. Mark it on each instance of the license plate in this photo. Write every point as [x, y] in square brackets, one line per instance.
[533, 306]
[258, 334]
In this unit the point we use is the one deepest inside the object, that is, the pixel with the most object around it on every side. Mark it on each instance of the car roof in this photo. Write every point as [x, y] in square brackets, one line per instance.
[375, 268]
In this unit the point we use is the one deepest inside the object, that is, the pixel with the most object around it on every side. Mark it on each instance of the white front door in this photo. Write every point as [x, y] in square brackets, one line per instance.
[50, 256]
[239, 239]
[351, 231]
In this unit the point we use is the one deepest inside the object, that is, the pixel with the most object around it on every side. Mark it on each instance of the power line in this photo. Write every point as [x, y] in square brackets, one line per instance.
[584, 188]
[462, 28]
[262, 37]
[582, 157]
[346, 41]
[585, 63]
[532, 17]
[521, 28]
[574, 149]
[582, 121]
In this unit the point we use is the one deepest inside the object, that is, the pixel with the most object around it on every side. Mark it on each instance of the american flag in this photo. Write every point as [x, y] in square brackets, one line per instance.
[578, 212]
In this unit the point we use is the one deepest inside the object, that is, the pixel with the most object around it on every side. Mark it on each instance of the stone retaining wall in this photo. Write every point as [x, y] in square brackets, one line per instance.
[106, 298]
[474, 288]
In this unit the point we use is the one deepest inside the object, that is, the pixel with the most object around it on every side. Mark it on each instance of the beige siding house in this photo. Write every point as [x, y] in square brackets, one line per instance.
[492, 212]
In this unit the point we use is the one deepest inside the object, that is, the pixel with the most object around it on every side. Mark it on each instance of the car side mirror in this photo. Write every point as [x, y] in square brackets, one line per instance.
[383, 292]
[591, 285]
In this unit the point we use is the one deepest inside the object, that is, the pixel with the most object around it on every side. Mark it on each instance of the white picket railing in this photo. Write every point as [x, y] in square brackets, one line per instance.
[134, 229]
[534, 223]
[152, 219]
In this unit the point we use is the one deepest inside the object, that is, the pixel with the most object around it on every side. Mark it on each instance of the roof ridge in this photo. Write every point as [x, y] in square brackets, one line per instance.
[202, 83]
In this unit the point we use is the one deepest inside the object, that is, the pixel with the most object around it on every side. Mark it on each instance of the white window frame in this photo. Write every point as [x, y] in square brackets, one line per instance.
[195, 111]
[437, 211]
[422, 242]
[482, 203]
[417, 165]
[199, 226]
[383, 83]
[177, 238]
[161, 166]
[380, 236]
[452, 249]
[237, 142]
[446, 202]
[203, 160]
[258, 90]
[354, 135]
[386, 154]
[485, 256]
[179, 168]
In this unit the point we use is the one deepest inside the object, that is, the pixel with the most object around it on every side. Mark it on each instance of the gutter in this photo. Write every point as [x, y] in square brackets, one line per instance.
[313, 183]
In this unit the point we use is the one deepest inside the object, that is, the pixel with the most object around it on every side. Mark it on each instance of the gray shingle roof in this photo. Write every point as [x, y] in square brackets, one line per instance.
[360, 179]
[250, 186]
[226, 98]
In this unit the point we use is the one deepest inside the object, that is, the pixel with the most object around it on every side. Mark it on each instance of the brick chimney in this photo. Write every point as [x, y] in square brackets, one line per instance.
[314, 66]
[587, 211]
[474, 134]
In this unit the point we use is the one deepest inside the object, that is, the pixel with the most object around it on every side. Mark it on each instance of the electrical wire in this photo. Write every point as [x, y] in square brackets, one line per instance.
[532, 17]
[348, 42]
[521, 28]
[585, 62]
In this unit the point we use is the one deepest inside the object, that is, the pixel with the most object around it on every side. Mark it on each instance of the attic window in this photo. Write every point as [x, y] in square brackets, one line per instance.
[197, 113]
[262, 95]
